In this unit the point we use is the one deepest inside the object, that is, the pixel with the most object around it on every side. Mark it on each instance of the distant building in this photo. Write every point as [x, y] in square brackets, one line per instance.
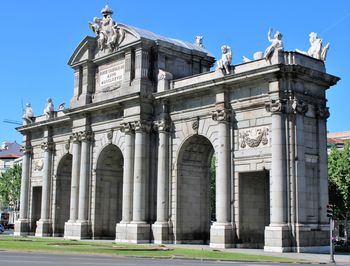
[338, 139]
[9, 153]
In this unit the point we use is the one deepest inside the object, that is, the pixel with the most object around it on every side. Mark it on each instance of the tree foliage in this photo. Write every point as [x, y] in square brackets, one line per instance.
[10, 186]
[339, 181]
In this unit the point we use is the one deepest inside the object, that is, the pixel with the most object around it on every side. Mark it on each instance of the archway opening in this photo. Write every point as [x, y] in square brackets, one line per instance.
[63, 189]
[109, 187]
[195, 194]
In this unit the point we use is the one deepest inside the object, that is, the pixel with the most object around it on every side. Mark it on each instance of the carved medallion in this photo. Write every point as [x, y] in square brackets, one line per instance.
[38, 165]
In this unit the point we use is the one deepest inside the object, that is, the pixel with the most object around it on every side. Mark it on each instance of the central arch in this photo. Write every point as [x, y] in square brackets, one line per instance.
[109, 187]
[193, 188]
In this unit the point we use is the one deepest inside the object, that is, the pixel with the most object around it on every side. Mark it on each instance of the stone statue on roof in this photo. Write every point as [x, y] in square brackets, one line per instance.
[316, 49]
[199, 41]
[226, 59]
[48, 110]
[276, 44]
[28, 116]
[106, 30]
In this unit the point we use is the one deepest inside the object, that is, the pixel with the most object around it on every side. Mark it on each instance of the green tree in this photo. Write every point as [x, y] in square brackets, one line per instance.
[10, 186]
[339, 182]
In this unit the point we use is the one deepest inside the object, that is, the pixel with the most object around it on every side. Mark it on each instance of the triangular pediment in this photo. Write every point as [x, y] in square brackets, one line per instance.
[84, 51]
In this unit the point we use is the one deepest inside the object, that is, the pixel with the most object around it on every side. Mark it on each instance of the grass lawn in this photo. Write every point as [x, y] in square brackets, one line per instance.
[54, 245]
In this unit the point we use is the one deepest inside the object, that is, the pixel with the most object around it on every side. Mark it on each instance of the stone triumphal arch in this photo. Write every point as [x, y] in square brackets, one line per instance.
[156, 147]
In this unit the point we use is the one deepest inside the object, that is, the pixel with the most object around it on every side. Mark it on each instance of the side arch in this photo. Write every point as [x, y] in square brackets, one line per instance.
[193, 208]
[62, 192]
[108, 192]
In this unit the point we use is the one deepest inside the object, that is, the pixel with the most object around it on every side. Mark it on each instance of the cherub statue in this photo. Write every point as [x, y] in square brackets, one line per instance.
[28, 116]
[226, 59]
[316, 49]
[276, 44]
[199, 41]
[48, 110]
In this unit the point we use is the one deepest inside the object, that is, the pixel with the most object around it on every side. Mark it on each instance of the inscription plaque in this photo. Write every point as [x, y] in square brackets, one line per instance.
[111, 75]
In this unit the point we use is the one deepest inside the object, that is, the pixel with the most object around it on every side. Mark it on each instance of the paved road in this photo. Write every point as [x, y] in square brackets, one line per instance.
[37, 259]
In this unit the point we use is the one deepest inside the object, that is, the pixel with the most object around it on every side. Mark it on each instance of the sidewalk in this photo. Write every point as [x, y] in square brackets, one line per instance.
[340, 259]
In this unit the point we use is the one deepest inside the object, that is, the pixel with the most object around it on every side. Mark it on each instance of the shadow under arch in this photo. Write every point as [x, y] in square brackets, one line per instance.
[63, 190]
[108, 192]
[193, 206]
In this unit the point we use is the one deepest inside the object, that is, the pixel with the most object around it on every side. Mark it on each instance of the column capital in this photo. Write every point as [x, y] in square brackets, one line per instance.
[142, 126]
[127, 127]
[161, 125]
[48, 146]
[86, 135]
[75, 137]
[221, 115]
[27, 148]
[322, 112]
[276, 106]
[299, 106]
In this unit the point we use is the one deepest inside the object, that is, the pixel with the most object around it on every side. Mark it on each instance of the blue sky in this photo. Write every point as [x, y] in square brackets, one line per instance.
[38, 38]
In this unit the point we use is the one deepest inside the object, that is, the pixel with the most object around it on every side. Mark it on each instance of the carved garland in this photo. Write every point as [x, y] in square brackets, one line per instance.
[261, 137]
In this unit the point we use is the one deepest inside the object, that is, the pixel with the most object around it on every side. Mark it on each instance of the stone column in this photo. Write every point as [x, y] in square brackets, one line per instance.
[161, 226]
[85, 171]
[322, 114]
[74, 194]
[221, 230]
[44, 224]
[139, 229]
[128, 175]
[22, 224]
[276, 234]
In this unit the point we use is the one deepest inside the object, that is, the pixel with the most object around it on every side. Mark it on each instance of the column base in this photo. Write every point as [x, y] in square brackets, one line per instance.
[136, 233]
[161, 233]
[221, 235]
[277, 239]
[121, 232]
[43, 228]
[77, 230]
[312, 238]
[306, 238]
[21, 227]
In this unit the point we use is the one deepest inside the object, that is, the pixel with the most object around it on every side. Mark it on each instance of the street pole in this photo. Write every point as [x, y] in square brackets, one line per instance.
[331, 245]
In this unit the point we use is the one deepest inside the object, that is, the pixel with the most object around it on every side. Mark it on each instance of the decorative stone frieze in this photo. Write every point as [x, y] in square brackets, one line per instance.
[221, 115]
[254, 137]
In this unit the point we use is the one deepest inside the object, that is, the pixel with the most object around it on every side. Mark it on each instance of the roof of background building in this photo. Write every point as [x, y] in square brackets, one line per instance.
[345, 135]
[331, 141]
[10, 150]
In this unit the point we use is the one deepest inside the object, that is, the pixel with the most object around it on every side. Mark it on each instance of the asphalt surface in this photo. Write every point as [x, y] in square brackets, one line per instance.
[34, 259]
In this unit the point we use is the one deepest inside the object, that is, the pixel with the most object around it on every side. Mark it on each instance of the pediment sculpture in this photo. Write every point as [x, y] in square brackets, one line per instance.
[108, 34]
